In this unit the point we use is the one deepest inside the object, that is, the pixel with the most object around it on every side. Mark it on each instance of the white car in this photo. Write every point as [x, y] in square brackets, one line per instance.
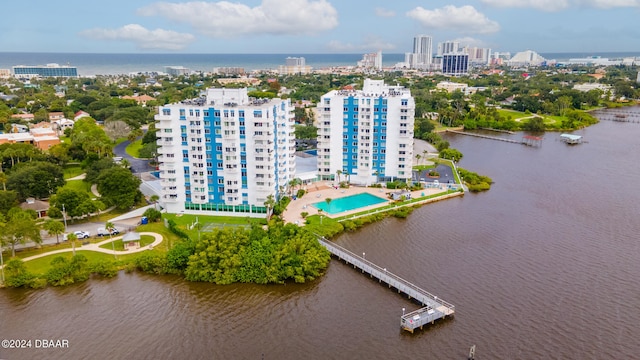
[81, 234]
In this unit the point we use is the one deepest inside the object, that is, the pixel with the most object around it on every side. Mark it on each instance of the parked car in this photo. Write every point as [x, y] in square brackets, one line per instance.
[104, 232]
[82, 234]
[78, 234]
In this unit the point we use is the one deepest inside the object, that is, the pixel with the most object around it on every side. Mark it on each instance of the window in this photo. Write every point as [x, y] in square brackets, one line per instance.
[166, 111]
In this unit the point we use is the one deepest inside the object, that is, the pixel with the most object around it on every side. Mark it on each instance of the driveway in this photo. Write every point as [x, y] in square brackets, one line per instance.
[137, 165]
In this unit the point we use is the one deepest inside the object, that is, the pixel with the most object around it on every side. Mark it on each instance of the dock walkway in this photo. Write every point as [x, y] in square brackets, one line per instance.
[433, 308]
[526, 140]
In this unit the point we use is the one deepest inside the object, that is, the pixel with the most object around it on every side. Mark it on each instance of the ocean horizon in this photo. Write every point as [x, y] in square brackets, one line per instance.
[90, 64]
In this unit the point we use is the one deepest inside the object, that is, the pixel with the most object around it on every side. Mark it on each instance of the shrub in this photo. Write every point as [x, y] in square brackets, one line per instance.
[178, 256]
[300, 193]
[152, 263]
[173, 227]
[153, 215]
[16, 274]
[105, 268]
[304, 214]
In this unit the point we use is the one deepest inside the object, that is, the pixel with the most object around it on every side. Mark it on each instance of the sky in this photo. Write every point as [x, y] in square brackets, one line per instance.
[316, 26]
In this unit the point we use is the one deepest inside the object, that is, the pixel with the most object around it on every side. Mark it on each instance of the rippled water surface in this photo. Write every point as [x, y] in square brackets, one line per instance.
[543, 266]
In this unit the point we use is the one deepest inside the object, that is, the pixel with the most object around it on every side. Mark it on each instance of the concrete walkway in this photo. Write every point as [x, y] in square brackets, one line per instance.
[94, 187]
[96, 247]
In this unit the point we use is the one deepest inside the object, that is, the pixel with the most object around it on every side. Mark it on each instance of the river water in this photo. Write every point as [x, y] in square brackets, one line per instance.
[542, 266]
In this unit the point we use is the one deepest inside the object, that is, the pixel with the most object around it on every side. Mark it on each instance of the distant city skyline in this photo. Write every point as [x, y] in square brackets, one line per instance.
[318, 26]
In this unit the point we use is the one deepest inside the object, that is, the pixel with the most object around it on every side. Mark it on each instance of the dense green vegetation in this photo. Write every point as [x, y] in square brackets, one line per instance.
[474, 181]
[283, 252]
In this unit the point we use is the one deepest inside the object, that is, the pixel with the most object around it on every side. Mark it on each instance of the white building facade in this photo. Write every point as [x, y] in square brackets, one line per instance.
[225, 153]
[366, 135]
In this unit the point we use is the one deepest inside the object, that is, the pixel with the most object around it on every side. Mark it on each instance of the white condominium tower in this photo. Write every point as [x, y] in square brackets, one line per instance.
[422, 47]
[366, 135]
[224, 153]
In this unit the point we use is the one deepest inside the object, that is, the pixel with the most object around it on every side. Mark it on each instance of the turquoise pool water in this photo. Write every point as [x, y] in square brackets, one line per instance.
[349, 203]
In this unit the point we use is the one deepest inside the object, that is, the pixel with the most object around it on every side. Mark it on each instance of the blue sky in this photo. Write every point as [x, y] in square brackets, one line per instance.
[316, 26]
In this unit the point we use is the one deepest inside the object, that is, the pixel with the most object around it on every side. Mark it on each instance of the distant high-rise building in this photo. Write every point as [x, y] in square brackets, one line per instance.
[371, 61]
[478, 56]
[448, 47]
[294, 65]
[176, 70]
[455, 64]
[423, 48]
[50, 70]
[225, 153]
[366, 134]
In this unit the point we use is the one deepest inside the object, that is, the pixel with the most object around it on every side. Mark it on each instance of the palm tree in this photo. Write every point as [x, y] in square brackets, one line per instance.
[339, 172]
[424, 155]
[109, 227]
[54, 227]
[154, 199]
[269, 204]
[418, 157]
[72, 237]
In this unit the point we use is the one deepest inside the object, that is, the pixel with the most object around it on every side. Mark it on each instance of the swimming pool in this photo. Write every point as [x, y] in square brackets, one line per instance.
[349, 203]
[313, 152]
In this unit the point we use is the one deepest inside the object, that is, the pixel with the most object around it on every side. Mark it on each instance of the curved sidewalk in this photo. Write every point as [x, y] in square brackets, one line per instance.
[96, 247]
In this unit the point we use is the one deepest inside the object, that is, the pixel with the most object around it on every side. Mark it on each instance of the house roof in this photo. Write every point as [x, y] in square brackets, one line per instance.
[131, 236]
[33, 204]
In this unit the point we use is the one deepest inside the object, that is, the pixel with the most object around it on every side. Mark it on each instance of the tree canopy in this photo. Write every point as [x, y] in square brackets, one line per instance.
[119, 187]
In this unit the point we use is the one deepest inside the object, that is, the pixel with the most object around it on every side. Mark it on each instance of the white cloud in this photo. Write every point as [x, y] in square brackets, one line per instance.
[544, 5]
[381, 12]
[556, 5]
[606, 4]
[142, 37]
[370, 43]
[470, 41]
[464, 19]
[226, 19]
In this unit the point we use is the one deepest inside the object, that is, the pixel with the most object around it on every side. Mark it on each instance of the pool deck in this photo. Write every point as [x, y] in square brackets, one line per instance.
[321, 190]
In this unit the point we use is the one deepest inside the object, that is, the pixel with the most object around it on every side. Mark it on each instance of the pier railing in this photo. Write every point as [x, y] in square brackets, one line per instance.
[434, 307]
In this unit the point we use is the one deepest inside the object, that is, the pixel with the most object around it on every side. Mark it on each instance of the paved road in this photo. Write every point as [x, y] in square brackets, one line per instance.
[137, 165]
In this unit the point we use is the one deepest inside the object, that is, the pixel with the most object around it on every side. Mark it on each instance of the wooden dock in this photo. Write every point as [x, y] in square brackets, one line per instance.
[526, 140]
[433, 308]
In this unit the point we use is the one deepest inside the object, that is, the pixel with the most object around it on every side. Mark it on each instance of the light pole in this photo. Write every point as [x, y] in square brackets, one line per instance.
[64, 216]
[363, 256]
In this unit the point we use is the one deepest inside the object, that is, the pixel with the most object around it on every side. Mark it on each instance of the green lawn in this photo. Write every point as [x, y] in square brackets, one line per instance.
[512, 113]
[43, 264]
[79, 185]
[72, 171]
[186, 220]
[159, 228]
[119, 245]
[133, 149]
